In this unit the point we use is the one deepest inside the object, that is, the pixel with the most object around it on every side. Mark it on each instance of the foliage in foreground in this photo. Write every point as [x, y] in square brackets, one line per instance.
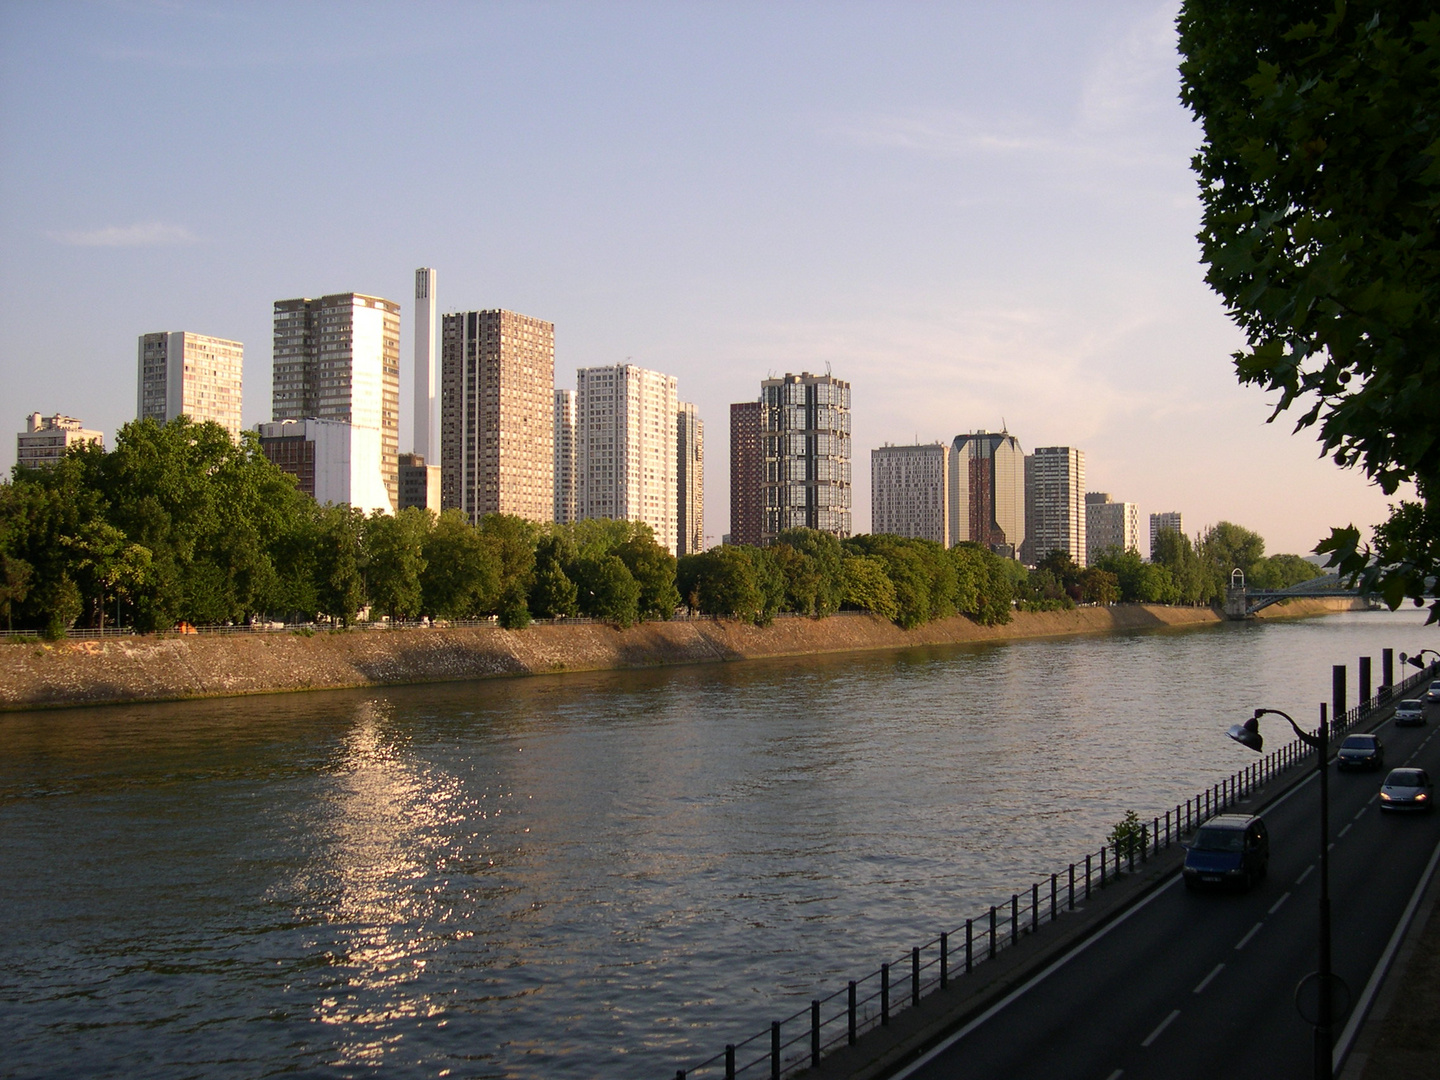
[1320, 176]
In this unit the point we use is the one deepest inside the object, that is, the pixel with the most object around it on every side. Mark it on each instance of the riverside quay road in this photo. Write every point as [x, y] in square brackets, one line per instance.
[1203, 984]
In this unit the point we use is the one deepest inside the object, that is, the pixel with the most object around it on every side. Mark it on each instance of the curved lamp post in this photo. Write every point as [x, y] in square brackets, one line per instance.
[1248, 734]
[1415, 658]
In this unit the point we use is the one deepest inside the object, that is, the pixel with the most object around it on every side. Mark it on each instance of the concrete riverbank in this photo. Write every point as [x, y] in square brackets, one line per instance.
[161, 668]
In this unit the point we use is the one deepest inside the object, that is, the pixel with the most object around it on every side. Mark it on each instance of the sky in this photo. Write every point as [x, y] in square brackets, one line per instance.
[981, 215]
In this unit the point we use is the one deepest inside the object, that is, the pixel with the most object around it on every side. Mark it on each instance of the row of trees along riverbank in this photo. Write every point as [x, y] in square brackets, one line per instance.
[181, 523]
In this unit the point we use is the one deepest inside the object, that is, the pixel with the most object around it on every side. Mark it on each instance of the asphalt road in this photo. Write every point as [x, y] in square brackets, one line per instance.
[1203, 985]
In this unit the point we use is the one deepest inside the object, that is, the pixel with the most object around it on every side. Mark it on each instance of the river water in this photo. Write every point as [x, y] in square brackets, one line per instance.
[582, 875]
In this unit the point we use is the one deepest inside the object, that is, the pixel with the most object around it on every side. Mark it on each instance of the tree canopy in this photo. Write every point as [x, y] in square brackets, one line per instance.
[1320, 177]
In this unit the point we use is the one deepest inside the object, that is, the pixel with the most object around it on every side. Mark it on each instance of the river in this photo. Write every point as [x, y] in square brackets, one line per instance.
[581, 875]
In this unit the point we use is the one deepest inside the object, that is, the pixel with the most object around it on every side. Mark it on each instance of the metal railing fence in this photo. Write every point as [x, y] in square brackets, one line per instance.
[798, 1041]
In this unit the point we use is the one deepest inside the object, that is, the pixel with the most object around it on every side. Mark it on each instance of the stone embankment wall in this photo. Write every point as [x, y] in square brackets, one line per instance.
[215, 665]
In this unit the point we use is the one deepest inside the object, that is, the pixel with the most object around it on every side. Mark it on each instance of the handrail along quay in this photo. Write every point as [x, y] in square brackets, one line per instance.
[797, 1042]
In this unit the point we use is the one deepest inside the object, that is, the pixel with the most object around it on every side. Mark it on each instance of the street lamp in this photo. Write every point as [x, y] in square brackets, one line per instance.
[1248, 734]
[1414, 658]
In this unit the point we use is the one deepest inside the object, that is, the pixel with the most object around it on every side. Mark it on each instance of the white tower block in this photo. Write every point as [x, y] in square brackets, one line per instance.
[427, 420]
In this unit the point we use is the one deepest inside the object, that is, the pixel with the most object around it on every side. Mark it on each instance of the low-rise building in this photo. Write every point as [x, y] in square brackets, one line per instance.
[419, 483]
[46, 438]
[333, 462]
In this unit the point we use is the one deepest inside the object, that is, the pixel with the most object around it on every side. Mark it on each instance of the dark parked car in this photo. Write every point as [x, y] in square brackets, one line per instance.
[1410, 713]
[1407, 789]
[1229, 849]
[1433, 694]
[1361, 752]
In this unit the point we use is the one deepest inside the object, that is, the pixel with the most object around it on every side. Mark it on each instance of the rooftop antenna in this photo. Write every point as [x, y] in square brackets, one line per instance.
[1004, 427]
[827, 369]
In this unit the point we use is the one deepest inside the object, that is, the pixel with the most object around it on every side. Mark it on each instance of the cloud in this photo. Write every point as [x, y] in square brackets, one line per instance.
[143, 234]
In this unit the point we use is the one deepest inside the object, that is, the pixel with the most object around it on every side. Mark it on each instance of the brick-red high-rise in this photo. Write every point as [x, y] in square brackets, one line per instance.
[747, 473]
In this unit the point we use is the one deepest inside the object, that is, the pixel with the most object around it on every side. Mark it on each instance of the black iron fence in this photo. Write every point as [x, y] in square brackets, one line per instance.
[798, 1041]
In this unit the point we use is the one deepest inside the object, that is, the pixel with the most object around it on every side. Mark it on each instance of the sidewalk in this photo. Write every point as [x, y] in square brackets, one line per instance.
[1400, 1040]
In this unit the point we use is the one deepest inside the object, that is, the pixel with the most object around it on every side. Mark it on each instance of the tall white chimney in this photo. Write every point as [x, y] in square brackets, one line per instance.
[427, 419]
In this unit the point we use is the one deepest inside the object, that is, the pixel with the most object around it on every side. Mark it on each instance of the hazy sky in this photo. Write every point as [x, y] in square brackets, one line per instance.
[978, 213]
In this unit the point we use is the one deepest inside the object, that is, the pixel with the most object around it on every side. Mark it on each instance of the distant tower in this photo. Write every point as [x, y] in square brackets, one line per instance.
[987, 491]
[806, 423]
[190, 374]
[427, 421]
[1054, 504]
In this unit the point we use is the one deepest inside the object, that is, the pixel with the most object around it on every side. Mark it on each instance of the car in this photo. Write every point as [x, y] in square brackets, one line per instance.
[1433, 694]
[1229, 849]
[1410, 713]
[1361, 752]
[1407, 789]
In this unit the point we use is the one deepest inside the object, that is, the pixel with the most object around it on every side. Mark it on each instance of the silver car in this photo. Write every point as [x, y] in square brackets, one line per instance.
[1407, 789]
[1433, 694]
[1410, 713]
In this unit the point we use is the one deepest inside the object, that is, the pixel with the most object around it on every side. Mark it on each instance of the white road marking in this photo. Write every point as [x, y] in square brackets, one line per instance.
[1276, 906]
[1246, 939]
[1331, 846]
[1341, 834]
[1375, 796]
[1206, 980]
[1308, 871]
[1116, 1074]
[1360, 811]
[1362, 1007]
[1163, 1025]
[1034, 981]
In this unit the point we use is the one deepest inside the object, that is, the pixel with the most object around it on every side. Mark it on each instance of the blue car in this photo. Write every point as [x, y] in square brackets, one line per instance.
[1229, 849]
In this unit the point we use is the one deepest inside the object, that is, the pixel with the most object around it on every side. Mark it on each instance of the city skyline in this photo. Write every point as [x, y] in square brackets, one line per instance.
[989, 222]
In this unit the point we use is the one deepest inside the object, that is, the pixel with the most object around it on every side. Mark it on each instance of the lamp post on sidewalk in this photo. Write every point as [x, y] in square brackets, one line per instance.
[1248, 734]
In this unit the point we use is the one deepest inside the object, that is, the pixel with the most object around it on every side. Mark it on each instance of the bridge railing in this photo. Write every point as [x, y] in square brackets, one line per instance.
[798, 1041]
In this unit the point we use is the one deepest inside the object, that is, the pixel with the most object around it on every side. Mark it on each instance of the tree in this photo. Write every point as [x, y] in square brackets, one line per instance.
[653, 569]
[340, 562]
[511, 542]
[1174, 552]
[460, 571]
[1227, 547]
[1282, 572]
[1320, 176]
[606, 588]
[867, 586]
[1099, 586]
[810, 561]
[395, 560]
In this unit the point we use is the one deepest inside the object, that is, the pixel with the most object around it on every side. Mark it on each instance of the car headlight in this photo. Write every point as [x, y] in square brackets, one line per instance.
[1422, 797]
[1384, 796]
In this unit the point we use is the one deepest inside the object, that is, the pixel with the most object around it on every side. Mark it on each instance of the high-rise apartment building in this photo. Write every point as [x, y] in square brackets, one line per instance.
[497, 414]
[987, 491]
[338, 359]
[747, 474]
[910, 491]
[46, 438]
[689, 480]
[419, 483]
[1171, 520]
[565, 456]
[625, 443]
[1054, 504]
[331, 460]
[193, 374]
[1110, 524]
[426, 441]
[805, 423]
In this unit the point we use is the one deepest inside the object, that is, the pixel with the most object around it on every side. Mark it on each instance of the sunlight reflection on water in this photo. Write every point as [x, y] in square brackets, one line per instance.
[605, 874]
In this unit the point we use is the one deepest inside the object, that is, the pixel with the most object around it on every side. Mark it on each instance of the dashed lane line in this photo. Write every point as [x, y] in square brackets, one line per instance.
[1308, 871]
[1208, 978]
[1116, 1074]
[1341, 834]
[1360, 811]
[1159, 1030]
[1276, 906]
[1246, 939]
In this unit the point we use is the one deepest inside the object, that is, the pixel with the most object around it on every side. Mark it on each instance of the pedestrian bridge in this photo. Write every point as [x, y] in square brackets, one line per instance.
[1242, 601]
